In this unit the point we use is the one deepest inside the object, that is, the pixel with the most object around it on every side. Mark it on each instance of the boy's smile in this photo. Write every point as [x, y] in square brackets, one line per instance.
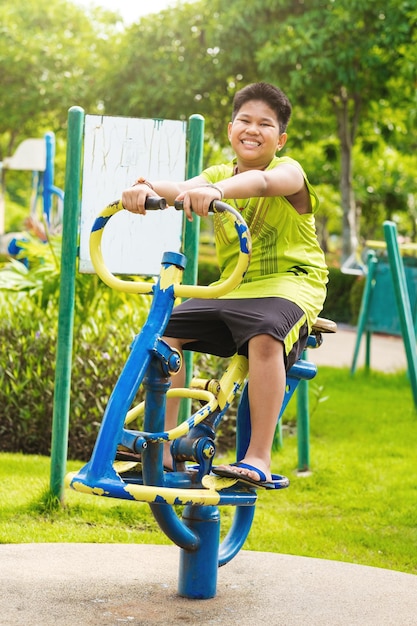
[246, 142]
[254, 135]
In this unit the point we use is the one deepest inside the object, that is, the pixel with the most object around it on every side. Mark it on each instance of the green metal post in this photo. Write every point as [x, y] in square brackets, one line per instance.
[364, 311]
[403, 302]
[194, 167]
[303, 424]
[60, 418]
[191, 233]
[368, 336]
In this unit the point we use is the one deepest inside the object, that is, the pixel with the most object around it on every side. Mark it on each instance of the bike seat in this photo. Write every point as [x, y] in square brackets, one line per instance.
[322, 325]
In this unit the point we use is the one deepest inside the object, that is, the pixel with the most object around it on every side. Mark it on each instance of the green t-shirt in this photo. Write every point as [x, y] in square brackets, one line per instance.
[287, 260]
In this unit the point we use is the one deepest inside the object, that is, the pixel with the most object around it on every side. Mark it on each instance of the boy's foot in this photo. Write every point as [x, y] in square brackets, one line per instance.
[246, 472]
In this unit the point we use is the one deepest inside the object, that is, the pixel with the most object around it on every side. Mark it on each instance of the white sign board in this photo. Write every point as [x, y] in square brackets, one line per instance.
[117, 150]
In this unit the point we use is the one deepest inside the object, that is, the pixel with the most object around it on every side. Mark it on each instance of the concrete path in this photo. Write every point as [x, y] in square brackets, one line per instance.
[109, 585]
[387, 351]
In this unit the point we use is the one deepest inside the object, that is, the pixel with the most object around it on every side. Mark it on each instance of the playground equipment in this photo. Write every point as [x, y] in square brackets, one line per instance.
[36, 156]
[389, 301]
[127, 462]
[109, 151]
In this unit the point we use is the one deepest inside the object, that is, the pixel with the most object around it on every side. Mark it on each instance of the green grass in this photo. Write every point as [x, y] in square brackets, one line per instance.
[358, 504]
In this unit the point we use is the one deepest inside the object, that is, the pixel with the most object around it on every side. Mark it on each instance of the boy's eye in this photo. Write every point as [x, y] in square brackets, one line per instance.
[245, 121]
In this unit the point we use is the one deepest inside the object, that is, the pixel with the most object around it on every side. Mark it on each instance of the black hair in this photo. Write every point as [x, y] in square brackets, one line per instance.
[274, 97]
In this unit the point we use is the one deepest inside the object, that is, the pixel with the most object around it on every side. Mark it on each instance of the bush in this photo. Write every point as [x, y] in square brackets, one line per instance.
[26, 393]
[208, 272]
[339, 306]
[355, 297]
[27, 370]
[105, 324]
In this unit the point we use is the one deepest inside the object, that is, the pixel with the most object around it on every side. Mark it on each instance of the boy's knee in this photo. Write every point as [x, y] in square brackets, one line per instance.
[265, 346]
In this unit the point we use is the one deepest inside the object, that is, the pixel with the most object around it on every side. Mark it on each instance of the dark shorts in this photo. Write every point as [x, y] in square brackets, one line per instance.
[224, 326]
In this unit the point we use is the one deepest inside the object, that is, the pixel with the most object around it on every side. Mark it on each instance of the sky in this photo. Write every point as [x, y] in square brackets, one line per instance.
[130, 10]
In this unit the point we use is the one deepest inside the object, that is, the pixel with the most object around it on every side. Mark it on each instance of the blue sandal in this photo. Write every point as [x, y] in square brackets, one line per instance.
[262, 482]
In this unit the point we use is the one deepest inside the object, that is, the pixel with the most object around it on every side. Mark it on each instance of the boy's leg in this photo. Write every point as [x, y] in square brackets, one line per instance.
[267, 379]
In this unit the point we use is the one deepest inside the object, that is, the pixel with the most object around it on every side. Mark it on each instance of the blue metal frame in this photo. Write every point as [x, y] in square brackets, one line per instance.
[197, 532]
[44, 180]
[49, 188]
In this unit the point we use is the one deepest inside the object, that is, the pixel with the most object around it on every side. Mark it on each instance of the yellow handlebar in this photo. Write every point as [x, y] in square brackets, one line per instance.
[181, 291]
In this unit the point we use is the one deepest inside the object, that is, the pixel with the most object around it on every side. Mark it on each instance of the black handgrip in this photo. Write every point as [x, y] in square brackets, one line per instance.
[179, 205]
[153, 203]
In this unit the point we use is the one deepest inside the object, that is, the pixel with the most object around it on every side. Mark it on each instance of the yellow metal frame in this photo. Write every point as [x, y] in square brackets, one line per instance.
[180, 291]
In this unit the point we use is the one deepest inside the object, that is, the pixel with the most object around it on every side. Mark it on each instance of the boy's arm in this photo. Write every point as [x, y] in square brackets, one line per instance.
[286, 179]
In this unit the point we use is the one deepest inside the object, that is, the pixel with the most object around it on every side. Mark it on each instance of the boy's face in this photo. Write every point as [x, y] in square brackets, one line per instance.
[254, 135]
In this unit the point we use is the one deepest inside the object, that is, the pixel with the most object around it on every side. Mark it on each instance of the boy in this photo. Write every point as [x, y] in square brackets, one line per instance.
[269, 316]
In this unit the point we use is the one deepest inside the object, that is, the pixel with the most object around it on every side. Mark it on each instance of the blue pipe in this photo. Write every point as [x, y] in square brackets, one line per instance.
[124, 392]
[198, 569]
[48, 176]
[237, 535]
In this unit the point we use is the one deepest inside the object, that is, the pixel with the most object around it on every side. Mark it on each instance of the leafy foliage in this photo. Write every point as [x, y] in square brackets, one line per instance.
[343, 55]
[105, 324]
[338, 304]
[50, 53]
[342, 64]
[348, 67]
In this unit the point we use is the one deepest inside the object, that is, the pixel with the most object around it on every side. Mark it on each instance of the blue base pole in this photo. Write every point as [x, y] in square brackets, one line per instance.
[198, 568]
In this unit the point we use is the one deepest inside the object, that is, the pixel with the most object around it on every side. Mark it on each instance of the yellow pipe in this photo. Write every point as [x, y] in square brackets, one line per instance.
[150, 493]
[380, 245]
[171, 278]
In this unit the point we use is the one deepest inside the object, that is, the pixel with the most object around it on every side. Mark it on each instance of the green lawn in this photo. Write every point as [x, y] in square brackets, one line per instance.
[359, 504]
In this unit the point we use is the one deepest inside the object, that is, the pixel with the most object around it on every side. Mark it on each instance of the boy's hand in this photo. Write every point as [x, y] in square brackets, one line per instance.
[134, 198]
[198, 200]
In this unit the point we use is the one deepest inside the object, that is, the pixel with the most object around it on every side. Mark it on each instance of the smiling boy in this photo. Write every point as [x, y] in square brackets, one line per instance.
[269, 316]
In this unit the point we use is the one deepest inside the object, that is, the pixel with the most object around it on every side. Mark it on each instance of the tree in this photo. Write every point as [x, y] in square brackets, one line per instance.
[50, 53]
[172, 65]
[385, 189]
[348, 66]
[340, 55]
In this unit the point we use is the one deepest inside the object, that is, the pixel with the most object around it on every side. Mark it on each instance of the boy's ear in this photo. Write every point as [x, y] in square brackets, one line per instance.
[229, 129]
[282, 141]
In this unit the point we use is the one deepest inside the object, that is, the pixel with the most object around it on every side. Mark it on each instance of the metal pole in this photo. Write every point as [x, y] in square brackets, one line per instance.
[60, 418]
[48, 177]
[403, 302]
[194, 167]
[364, 311]
[303, 424]
[198, 568]
[191, 235]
